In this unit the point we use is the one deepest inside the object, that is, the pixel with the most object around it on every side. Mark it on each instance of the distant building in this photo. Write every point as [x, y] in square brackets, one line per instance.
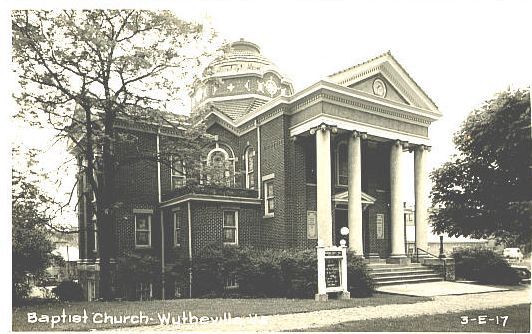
[292, 168]
[68, 270]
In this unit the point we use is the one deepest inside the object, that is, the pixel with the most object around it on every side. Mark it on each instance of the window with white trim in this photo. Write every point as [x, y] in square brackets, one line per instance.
[178, 173]
[144, 291]
[230, 227]
[249, 156]
[231, 282]
[269, 198]
[341, 165]
[177, 228]
[142, 230]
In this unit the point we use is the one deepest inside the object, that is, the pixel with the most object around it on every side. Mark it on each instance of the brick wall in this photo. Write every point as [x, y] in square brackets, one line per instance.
[273, 162]
[207, 224]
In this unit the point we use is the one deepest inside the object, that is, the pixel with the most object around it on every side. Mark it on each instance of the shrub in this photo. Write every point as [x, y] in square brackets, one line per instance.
[300, 274]
[133, 268]
[263, 277]
[268, 273]
[68, 291]
[20, 291]
[484, 266]
[359, 282]
[213, 266]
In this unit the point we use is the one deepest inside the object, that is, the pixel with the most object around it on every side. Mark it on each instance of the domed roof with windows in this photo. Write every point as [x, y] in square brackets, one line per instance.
[239, 81]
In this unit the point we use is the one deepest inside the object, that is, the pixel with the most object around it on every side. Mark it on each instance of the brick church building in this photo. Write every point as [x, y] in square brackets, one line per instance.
[297, 166]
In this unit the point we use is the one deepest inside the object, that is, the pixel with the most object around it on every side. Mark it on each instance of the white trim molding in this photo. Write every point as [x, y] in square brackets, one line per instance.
[211, 198]
[350, 125]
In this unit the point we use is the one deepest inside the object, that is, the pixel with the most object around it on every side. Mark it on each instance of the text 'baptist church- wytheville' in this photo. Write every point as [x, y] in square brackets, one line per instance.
[295, 167]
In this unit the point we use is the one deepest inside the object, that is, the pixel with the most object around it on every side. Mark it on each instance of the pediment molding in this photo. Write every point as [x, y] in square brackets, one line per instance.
[387, 66]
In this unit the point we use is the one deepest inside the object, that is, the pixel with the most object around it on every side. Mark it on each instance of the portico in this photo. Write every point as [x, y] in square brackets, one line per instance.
[396, 149]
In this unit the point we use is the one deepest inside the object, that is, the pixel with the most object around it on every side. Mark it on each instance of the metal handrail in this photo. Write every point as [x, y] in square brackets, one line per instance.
[441, 257]
[424, 251]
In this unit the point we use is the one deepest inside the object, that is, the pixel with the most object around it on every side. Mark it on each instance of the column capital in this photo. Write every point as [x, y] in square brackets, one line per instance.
[420, 147]
[400, 143]
[324, 127]
[362, 135]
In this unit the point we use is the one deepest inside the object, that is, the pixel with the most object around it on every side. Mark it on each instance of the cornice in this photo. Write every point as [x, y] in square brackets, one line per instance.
[324, 91]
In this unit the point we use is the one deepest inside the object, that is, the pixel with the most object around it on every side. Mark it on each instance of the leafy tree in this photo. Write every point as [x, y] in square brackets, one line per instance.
[82, 71]
[484, 191]
[31, 244]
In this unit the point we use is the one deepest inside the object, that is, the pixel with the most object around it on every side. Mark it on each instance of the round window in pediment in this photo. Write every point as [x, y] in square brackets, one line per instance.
[379, 88]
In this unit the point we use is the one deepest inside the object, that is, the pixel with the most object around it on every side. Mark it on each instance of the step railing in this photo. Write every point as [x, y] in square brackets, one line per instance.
[441, 257]
[421, 250]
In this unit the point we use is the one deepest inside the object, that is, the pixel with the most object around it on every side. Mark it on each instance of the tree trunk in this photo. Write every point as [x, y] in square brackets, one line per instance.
[106, 213]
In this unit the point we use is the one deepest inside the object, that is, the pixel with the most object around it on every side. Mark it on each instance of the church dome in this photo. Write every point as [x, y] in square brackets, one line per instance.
[239, 81]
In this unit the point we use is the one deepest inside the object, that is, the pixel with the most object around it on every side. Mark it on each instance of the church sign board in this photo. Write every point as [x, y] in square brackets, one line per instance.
[332, 272]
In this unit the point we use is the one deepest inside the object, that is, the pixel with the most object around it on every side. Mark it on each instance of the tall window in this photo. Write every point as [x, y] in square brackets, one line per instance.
[250, 167]
[178, 173]
[177, 228]
[142, 229]
[269, 198]
[341, 165]
[230, 227]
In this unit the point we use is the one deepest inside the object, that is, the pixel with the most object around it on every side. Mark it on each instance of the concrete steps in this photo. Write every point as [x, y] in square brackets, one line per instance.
[393, 274]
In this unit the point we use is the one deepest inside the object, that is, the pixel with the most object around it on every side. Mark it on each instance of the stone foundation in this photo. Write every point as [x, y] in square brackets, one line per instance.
[445, 266]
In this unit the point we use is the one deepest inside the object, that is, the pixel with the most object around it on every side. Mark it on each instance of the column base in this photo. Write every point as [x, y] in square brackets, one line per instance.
[374, 259]
[344, 295]
[398, 259]
[321, 297]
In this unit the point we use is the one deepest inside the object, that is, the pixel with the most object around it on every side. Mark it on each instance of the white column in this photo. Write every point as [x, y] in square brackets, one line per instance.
[323, 185]
[397, 212]
[420, 195]
[354, 206]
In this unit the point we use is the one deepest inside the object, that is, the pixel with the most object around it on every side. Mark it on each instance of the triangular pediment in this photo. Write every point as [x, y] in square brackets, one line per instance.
[384, 77]
[342, 197]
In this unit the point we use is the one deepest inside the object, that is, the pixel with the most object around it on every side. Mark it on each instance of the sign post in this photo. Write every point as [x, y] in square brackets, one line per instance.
[332, 272]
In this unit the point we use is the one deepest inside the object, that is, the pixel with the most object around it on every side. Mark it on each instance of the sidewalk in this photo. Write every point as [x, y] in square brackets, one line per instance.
[286, 322]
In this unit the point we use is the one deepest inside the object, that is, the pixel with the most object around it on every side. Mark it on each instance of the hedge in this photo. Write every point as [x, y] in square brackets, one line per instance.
[68, 291]
[484, 266]
[267, 273]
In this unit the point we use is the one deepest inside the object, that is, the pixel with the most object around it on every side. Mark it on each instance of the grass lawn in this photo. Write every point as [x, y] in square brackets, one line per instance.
[198, 307]
[518, 322]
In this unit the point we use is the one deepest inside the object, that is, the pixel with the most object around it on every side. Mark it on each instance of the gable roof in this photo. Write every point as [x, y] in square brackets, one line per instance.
[386, 65]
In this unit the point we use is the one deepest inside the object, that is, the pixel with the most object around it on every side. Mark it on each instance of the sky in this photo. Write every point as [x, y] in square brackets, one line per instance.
[459, 52]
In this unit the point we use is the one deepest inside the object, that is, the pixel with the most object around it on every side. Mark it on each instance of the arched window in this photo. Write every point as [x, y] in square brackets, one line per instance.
[249, 157]
[221, 166]
[341, 164]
